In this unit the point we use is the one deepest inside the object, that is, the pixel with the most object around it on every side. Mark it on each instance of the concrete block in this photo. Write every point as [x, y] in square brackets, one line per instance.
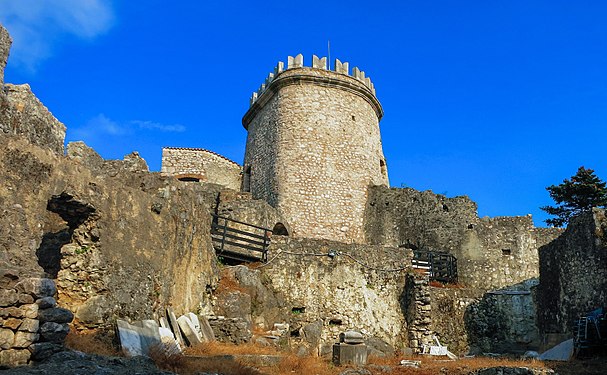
[347, 354]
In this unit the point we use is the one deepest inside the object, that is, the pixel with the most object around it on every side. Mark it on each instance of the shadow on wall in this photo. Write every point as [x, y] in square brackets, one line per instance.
[504, 320]
[64, 215]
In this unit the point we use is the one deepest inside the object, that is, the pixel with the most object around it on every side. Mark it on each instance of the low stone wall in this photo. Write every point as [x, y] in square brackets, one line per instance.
[573, 273]
[201, 164]
[31, 326]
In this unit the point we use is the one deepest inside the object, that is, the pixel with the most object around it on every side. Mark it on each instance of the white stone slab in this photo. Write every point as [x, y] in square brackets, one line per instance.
[130, 338]
[188, 330]
[561, 352]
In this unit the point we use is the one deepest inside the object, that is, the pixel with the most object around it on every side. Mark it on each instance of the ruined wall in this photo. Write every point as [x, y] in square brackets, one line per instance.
[201, 164]
[313, 149]
[116, 240]
[27, 116]
[491, 252]
[5, 45]
[573, 273]
[321, 296]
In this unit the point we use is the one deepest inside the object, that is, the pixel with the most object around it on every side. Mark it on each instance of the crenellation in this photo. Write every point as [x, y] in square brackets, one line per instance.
[317, 63]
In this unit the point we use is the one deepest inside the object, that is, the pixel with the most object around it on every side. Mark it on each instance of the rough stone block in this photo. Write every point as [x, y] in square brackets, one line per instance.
[13, 311]
[29, 310]
[188, 330]
[25, 299]
[36, 287]
[55, 314]
[46, 302]
[7, 336]
[346, 354]
[14, 358]
[24, 339]
[54, 332]
[8, 297]
[42, 350]
[29, 325]
[12, 323]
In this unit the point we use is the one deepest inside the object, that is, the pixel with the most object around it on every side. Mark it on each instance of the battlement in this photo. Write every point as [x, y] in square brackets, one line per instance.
[317, 63]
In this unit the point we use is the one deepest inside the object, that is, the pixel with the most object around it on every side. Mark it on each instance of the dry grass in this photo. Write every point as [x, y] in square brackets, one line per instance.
[227, 283]
[219, 348]
[293, 364]
[92, 342]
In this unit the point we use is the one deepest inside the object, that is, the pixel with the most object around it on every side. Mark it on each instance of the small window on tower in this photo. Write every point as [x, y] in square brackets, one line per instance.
[382, 165]
[246, 179]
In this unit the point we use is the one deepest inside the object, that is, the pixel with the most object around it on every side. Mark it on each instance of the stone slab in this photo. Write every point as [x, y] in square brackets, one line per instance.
[205, 330]
[188, 330]
[130, 338]
[561, 352]
[175, 327]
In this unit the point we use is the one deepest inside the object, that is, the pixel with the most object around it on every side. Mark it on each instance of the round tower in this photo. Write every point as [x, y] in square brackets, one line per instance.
[314, 148]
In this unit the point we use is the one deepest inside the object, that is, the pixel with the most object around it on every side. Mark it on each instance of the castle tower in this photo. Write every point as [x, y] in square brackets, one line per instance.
[314, 147]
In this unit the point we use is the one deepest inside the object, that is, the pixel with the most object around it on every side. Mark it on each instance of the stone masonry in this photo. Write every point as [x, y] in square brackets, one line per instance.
[314, 148]
[197, 164]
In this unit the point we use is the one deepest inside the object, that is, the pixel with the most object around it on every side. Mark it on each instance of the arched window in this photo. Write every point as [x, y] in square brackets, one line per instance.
[280, 230]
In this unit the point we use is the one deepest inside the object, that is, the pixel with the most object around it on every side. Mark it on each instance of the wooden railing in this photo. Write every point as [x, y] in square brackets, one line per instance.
[239, 241]
[439, 266]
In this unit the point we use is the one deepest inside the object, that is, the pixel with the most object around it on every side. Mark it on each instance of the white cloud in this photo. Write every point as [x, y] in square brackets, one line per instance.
[37, 26]
[156, 126]
[102, 126]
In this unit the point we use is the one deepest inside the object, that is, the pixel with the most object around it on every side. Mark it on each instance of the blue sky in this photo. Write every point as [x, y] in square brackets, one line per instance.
[491, 99]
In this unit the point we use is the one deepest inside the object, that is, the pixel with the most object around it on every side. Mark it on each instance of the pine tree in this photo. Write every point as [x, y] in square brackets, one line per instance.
[576, 195]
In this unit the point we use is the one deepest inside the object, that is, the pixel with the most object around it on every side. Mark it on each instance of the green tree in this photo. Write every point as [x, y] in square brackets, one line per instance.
[576, 195]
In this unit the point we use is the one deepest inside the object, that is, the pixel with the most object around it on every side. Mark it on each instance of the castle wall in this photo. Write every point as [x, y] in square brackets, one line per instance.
[313, 150]
[573, 273]
[24, 114]
[5, 45]
[202, 164]
[491, 252]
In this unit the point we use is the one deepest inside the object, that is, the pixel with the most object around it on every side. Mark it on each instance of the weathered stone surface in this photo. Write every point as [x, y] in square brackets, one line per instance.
[202, 165]
[233, 330]
[14, 357]
[573, 273]
[28, 117]
[24, 339]
[8, 297]
[346, 354]
[206, 330]
[189, 331]
[29, 325]
[288, 126]
[46, 302]
[25, 299]
[12, 323]
[37, 287]
[11, 311]
[84, 154]
[29, 310]
[43, 350]
[5, 45]
[56, 314]
[7, 336]
[54, 332]
[135, 163]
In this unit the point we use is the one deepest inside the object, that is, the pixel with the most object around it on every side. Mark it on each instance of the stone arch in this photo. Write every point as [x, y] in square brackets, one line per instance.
[280, 230]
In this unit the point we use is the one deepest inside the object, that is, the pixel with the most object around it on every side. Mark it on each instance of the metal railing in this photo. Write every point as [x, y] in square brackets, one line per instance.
[240, 241]
[439, 266]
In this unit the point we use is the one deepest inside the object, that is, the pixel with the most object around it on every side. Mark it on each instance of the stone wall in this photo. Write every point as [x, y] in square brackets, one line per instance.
[573, 273]
[5, 45]
[27, 116]
[201, 164]
[491, 252]
[313, 149]
[358, 287]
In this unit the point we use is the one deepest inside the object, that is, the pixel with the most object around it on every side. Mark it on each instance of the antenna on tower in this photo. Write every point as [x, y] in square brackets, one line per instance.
[329, 52]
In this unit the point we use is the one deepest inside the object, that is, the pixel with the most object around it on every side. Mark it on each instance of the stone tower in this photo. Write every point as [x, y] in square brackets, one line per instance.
[314, 148]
